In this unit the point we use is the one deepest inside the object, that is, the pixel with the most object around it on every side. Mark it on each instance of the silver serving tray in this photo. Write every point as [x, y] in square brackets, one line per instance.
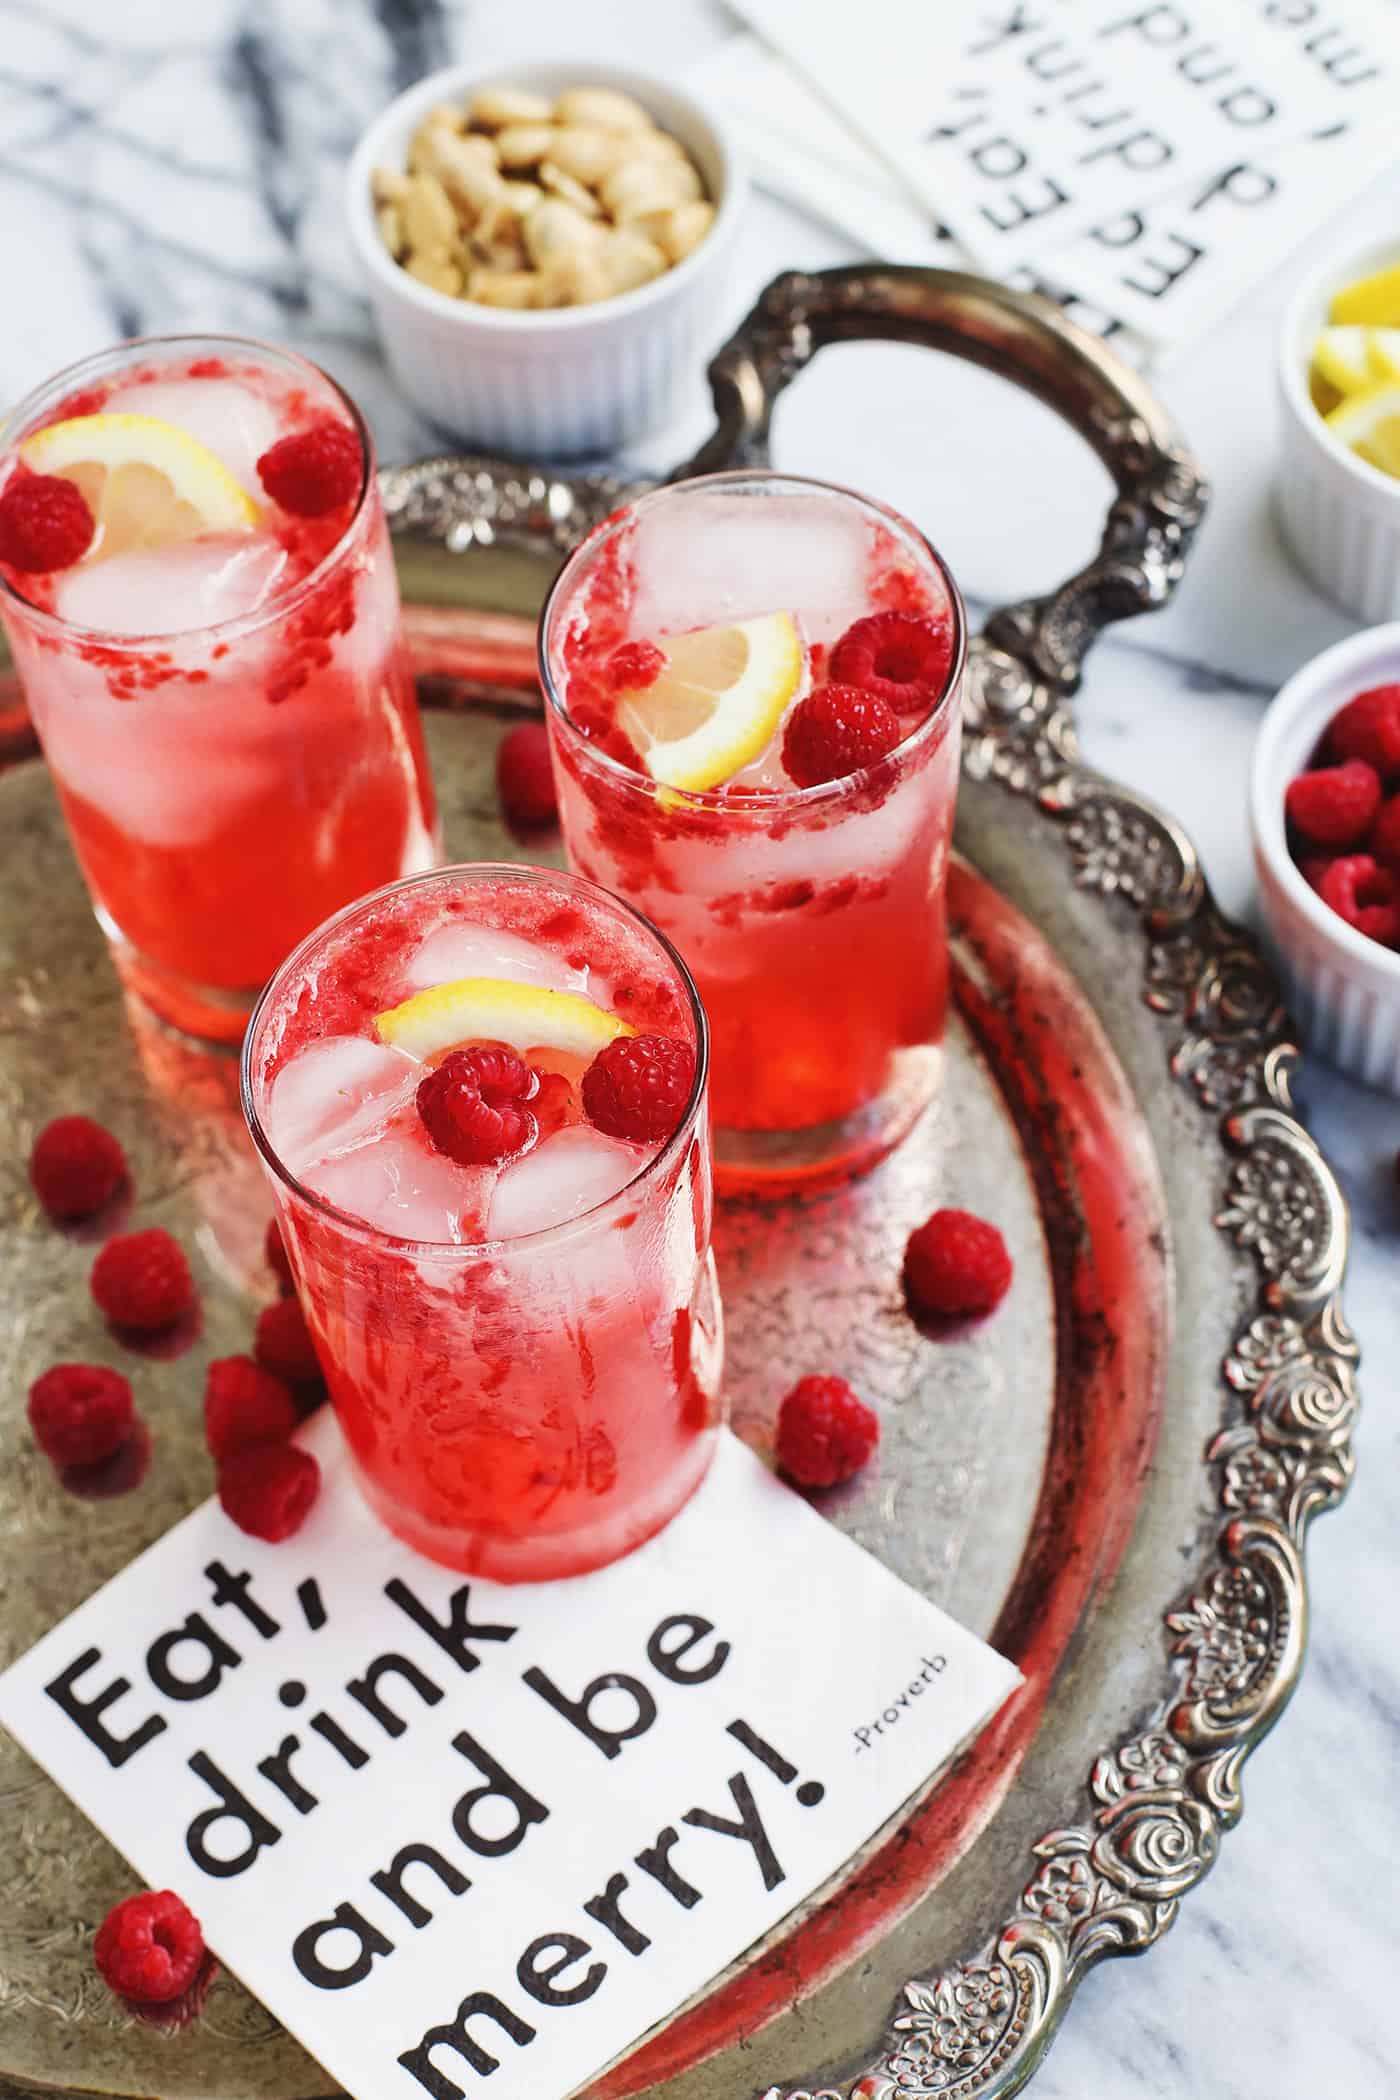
[1112, 1480]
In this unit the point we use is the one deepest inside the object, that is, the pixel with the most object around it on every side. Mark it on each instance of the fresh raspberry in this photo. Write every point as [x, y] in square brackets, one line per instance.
[141, 1280]
[956, 1265]
[76, 1166]
[275, 1249]
[1313, 866]
[1336, 805]
[149, 1948]
[637, 1086]
[244, 1405]
[45, 522]
[900, 656]
[525, 777]
[1384, 841]
[282, 1343]
[268, 1489]
[633, 667]
[315, 470]
[837, 730]
[1368, 727]
[1365, 894]
[471, 1105]
[825, 1432]
[80, 1413]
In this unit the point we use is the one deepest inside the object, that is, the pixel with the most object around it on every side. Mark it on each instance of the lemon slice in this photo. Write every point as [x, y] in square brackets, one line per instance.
[717, 702]
[1341, 358]
[498, 1010]
[1373, 301]
[146, 482]
[1369, 423]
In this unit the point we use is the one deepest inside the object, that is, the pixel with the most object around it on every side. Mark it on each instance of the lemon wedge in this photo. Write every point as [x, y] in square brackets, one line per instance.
[498, 1010]
[146, 482]
[717, 701]
[1373, 301]
[1341, 358]
[1369, 423]
[1383, 353]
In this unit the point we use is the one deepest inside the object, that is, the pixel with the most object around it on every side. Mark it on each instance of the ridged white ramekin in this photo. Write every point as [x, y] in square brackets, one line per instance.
[1340, 516]
[580, 379]
[1344, 988]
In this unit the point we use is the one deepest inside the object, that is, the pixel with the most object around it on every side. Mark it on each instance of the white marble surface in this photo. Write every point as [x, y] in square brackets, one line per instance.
[180, 167]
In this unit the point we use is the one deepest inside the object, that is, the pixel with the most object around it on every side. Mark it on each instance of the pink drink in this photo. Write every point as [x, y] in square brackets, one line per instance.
[524, 1356]
[811, 917]
[228, 714]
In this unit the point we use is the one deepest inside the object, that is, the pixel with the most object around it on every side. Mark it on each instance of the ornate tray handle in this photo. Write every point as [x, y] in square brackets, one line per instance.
[1023, 338]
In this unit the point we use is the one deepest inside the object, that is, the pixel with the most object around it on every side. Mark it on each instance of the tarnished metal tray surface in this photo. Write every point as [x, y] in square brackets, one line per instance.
[1112, 1480]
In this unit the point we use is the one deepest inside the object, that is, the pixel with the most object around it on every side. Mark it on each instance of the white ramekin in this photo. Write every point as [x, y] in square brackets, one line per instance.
[556, 384]
[1340, 516]
[1344, 988]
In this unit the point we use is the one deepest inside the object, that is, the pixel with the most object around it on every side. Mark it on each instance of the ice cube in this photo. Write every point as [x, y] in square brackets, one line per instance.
[486, 951]
[568, 1174]
[729, 557]
[331, 1095]
[166, 590]
[397, 1182]
[236, 423]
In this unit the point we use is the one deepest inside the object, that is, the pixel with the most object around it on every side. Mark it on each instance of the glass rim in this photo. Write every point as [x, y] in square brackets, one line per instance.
[764, 802]
[361, 1228]
[20, 419]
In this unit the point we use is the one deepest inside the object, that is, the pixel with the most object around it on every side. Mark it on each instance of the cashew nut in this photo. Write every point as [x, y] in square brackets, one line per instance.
[563, 185]
[608, 108]
[517, 288]
[555, 228]
[425, 213]
[387, 185]
[645, 186]
[438, 271]
[495, 107]
[572, 277]
[523, 145]
[684, 227]
[465, 169]
[629, 259]
[391, 229]
[587, 152]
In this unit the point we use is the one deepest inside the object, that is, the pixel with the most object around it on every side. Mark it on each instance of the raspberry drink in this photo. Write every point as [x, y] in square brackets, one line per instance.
[753, 685]
[480, 1099]
[197, 585]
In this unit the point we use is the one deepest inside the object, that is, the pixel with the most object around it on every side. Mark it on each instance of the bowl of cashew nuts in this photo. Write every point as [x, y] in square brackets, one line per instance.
[546, 251]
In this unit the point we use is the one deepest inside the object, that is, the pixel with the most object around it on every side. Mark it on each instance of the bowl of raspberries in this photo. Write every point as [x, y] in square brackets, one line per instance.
[1325, 813]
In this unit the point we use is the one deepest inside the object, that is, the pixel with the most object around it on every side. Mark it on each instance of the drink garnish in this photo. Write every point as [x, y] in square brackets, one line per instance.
[146, 482]
[716, 702]
[497, 1010]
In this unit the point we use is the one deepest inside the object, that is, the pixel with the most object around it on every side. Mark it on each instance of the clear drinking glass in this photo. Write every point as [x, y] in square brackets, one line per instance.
[526, 1359]
[228, 717]
[812, 918]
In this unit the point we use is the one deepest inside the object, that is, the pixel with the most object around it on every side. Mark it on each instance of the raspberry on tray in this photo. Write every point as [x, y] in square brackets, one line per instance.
[825, 1432]
[142, 1281]
[80, 1413]
[268, 1489]
[956, 1265]
[75, 1167]
[245, 1405]
[149, 1948]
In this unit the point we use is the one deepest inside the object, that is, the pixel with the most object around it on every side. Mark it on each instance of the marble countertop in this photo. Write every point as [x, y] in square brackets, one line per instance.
[177, 168]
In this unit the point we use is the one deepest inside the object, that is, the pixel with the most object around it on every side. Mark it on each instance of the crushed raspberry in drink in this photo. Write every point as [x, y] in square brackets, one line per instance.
[213, 663]
[496, 1325]
[755, 725]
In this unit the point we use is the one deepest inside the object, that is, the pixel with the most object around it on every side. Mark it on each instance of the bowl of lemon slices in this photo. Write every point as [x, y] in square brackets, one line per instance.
[1338, 485]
